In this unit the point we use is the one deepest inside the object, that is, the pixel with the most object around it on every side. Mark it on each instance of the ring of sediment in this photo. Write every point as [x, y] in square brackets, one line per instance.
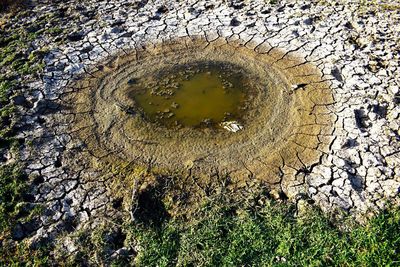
[285, 125]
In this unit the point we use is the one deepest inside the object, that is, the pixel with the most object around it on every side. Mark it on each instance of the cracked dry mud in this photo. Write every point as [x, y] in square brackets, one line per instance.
[326, 127]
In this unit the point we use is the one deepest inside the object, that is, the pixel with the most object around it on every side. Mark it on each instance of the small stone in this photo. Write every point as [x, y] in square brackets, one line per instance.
[232, 126]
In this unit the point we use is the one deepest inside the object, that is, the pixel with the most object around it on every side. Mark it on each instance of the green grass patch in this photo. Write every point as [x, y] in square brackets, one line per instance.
[222, 235]
[13, 209]
[5, 87]
[21, 255]
[12, 187]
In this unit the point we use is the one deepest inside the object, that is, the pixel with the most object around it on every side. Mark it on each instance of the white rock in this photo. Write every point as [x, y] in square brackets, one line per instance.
[232, 126]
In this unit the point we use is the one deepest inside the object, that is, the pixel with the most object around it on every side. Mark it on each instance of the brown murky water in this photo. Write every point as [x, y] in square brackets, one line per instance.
[201, 95]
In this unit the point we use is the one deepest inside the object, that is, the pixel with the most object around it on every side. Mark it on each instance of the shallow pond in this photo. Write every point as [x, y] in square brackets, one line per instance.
[203, 95]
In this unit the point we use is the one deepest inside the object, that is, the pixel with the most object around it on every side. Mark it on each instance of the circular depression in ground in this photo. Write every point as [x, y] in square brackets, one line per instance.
[168, 103]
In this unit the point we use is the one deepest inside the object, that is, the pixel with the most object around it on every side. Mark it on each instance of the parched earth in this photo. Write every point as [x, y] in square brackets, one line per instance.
[327, 128]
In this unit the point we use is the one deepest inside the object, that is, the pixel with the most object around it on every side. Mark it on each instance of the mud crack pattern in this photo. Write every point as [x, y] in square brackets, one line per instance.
[354, 54]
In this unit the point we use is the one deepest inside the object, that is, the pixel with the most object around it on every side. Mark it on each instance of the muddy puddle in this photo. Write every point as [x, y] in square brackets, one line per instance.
[202, 94]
